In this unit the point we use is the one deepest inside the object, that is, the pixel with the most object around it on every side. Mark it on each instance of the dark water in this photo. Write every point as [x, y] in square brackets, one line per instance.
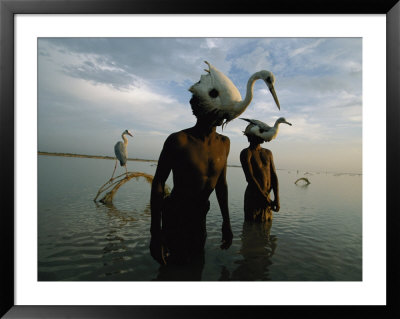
[316, 236]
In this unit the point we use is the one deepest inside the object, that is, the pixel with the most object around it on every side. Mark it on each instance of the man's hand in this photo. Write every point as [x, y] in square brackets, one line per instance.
[267, 201]
[157, 248]
[275, 206]
[226, 235]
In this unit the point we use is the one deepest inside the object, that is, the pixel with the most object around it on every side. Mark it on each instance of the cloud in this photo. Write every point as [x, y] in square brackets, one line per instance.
[306, 49]
[90, 89]
[98, 73]
[162, 59]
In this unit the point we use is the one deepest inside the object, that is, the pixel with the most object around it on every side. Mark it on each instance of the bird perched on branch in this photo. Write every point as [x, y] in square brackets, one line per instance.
[220, 96]
[121, 152]
[262, 130]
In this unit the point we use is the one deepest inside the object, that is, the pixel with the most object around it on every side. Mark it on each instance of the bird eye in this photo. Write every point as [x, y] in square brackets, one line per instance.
[213, 93]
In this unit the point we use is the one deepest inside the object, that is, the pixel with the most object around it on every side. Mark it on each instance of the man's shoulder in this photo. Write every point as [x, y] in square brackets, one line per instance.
[223, 138]
[183, 136]
[266, 151]
[245, 152]
[177, 139]
[177, 135]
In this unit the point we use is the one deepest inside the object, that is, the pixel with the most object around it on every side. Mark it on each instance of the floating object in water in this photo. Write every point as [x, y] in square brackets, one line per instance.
[303, 179]
[262, 130]
[220, 96]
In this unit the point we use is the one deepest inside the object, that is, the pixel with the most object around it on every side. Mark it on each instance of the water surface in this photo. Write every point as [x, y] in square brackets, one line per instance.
[316, 236]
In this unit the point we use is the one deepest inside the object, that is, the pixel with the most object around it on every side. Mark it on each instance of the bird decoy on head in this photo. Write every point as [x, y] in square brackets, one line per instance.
[262, 130]
[218, 95]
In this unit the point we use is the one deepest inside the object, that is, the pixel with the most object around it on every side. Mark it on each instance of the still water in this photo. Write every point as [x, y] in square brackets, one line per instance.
[316, 236]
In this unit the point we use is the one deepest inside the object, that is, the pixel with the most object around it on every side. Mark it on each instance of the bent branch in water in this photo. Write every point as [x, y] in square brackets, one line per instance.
[303, 179]
[117, 182]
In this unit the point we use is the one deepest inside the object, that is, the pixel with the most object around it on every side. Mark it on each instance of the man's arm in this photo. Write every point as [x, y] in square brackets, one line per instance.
[245, 156]
[164, 167]
[274, 184]
[221, 190]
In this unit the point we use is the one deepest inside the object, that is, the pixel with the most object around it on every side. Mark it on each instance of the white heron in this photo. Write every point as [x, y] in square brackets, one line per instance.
[262, 130]
[220, 96]
[121, 152]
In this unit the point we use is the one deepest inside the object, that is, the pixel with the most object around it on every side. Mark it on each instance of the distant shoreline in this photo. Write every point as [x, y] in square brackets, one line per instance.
[102, 157]
[92, 156]
[156, 161]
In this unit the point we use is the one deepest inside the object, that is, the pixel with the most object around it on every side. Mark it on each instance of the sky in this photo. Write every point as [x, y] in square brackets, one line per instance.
[91, 89]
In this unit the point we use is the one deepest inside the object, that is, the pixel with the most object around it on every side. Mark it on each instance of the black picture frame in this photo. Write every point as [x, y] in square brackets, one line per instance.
[9, 8]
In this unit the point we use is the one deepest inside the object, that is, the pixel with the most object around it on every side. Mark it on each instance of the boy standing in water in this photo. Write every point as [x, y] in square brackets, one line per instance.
[259, 169]
[197, 157]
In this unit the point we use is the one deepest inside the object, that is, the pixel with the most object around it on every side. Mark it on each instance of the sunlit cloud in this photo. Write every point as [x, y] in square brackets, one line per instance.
[91, 89]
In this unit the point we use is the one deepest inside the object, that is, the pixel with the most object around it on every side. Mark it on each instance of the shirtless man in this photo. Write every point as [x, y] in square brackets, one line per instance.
[197, 157]
[259, 169]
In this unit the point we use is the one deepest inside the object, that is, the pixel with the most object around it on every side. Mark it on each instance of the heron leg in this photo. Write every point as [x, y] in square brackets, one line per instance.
[126, 170]
[115, 167]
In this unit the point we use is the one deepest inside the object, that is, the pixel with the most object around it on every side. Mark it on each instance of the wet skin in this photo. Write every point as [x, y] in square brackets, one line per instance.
[197, 157]
[259, 169]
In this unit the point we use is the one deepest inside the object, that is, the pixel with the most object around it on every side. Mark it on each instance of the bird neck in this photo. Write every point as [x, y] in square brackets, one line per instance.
[276, 125]
[241, 106]
[125, 139]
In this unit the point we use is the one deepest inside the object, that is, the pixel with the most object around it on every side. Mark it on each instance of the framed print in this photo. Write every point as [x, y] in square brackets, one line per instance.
[76, 75]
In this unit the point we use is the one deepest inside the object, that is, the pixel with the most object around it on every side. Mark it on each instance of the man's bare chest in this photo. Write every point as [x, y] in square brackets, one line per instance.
[207, 160]
[260, 160]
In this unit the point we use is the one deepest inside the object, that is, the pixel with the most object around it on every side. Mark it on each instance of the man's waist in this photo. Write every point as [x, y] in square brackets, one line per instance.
[173, 201]
[189, 198]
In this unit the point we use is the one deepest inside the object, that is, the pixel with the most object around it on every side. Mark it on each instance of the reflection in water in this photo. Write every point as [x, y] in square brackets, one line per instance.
[115, 252]
[258, 246]
[114, 214]
[78, 241]
[112, 256]
[147, 209]
[187, 272]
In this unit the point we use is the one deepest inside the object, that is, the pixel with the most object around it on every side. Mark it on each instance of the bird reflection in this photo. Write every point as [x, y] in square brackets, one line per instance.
[258, 246]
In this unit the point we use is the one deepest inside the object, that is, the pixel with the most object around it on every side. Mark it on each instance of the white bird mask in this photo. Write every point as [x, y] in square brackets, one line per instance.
[220, 96]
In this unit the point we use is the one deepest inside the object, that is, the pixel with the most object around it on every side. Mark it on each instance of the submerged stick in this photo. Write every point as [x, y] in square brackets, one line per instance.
[116, 183]
[303, 179]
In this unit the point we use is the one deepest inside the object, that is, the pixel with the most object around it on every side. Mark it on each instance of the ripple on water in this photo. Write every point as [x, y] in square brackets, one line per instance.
[317, 235]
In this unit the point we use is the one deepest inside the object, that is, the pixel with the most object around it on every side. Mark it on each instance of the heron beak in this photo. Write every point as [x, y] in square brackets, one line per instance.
[272, 90]
[130, 134]
[288, 123]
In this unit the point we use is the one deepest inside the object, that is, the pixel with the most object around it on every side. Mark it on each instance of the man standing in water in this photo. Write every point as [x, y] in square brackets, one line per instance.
[259, 169]
[197, 157]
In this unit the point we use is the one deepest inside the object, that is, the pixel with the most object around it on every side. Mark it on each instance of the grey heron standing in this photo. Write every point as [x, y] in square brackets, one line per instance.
[121, 152]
